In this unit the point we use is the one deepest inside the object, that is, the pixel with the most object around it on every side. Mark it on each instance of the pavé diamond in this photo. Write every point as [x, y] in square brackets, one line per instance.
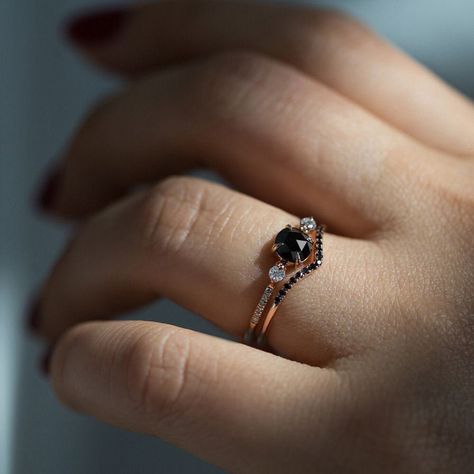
[276, 273]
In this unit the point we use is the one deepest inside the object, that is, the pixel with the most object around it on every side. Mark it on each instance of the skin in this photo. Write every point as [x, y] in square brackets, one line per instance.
[375, 365]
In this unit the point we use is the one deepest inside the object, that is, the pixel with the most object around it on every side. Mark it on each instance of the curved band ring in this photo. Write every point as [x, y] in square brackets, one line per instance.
[293, 247]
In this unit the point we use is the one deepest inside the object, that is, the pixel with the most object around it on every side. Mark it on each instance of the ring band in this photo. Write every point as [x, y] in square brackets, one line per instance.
[293, 246]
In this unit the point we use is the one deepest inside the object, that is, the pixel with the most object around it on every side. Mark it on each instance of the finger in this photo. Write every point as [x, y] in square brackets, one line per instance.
[269, 130]
[208, 249]
[198, 392]
[327, 45]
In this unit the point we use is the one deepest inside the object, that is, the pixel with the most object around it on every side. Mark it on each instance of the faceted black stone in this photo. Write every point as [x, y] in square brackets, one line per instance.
[292, 280]
[287, 286]
[293, 245]
[277, 300]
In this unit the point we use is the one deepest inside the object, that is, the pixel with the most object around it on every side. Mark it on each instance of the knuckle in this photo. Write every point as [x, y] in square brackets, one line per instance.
[337, 29]
[450, 191]
[158, 379]
[231, 83]
[442, 191]
[460, 200]
[169, 213]
[182, 213]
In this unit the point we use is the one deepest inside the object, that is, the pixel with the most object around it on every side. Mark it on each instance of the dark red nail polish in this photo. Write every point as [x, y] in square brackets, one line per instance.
[48, 192]
[45, 362]
[95, 28]
[33, 320]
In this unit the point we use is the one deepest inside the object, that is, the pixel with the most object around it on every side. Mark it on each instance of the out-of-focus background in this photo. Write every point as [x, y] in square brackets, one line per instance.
[44, 91]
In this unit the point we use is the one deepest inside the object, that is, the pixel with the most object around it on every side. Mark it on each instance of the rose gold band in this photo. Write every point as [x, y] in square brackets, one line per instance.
[291, 243]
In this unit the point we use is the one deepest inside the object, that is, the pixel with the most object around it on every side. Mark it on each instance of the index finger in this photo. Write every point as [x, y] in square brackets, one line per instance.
[327, 45]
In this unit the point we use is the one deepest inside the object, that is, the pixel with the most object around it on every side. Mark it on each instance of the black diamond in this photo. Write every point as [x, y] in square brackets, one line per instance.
[287, 286]
[293, 245]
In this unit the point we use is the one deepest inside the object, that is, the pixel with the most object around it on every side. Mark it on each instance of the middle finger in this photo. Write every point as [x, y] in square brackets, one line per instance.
[268, 129]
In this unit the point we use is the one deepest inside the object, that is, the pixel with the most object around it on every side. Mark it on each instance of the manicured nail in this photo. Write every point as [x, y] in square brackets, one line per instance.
[45, 361]
[96, 28]
[48, 191]
[33, 320]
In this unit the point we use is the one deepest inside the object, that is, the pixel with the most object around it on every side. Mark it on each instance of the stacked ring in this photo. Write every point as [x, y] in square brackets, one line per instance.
[293, 246]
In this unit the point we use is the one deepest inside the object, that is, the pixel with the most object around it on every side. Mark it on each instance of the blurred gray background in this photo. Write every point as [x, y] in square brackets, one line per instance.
[44, 91]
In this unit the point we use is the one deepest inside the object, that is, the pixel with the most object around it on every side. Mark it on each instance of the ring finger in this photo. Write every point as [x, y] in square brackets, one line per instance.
[207, 248]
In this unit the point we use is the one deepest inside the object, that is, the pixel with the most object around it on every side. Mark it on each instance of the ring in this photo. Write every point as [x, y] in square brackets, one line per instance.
[293, 246]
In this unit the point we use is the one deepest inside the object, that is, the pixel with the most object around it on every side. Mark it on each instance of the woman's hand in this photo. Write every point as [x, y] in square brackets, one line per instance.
[305, 112]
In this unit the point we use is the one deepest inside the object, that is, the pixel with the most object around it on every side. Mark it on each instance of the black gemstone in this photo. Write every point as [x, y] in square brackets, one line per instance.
[277, 300]
[287, 286]
[292, 280]
[304, 270]
[282, 292]
[293, 245]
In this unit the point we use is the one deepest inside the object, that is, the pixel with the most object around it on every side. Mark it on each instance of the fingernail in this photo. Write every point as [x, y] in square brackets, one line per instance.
[96, 28]
[33, 318]
[48, 191]
[45, 361]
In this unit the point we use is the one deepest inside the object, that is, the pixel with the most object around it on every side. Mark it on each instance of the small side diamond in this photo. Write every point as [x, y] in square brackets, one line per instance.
[307, 224]
[276, 273]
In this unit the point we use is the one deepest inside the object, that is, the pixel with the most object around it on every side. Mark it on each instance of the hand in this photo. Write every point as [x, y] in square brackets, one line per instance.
[305, 112]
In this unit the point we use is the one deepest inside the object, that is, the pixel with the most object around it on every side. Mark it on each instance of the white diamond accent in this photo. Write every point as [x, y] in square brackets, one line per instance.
[307, 224]
[261, 305]
[276, 273]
